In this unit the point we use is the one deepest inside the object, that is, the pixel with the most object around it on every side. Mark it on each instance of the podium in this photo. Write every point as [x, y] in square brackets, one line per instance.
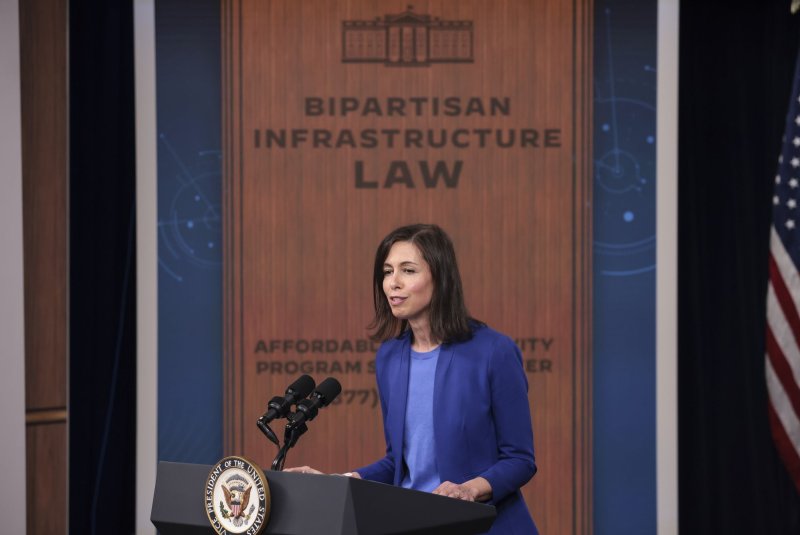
[304, 504]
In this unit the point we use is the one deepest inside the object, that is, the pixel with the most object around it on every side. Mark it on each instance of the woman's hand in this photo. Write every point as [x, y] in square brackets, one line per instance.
[474, 490]
[302, 470]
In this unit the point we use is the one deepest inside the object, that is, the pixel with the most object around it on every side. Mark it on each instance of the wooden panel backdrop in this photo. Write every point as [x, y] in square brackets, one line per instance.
[43, 78]
[306, 203]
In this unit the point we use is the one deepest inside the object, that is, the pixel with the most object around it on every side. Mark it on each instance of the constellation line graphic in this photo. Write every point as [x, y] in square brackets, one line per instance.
[189, 225]
[624, 166]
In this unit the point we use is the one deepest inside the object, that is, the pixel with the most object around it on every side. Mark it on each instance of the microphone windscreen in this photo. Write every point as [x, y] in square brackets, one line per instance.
[329, 389]
[303, 386]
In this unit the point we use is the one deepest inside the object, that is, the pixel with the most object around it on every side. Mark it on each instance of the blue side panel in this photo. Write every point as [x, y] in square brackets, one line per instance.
[189, 226]
[624, 267]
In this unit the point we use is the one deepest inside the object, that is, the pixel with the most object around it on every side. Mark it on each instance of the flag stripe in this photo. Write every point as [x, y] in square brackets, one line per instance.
[784, 297]
[785, 337]
[783, 373]
[783, 409]
[783, 444]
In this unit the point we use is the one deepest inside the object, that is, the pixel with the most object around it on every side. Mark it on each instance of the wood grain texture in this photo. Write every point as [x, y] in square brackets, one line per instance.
[43, 55]
[43, 39]
[47, 478]
[300, 234]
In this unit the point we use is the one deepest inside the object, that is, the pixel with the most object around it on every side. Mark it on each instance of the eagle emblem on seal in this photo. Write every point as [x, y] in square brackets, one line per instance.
[237, 497]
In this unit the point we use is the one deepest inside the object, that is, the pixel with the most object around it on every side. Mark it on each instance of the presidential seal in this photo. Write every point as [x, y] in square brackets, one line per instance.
[236, 497]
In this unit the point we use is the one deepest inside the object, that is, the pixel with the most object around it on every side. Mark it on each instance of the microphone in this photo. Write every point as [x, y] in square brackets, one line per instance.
[279, 407]
[321, 397]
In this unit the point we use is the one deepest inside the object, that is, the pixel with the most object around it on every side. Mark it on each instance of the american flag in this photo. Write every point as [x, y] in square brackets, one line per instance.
[783, 295]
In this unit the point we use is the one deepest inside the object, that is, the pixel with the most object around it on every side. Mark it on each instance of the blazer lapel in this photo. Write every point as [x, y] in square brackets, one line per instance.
[442, 427]
[442, 367]
[397, 408]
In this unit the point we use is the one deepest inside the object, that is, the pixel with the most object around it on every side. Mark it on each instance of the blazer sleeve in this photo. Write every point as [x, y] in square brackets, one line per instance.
[516, 463]
[383, 469]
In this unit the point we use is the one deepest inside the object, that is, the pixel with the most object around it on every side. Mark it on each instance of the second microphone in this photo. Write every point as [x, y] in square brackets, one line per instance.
[322, 396]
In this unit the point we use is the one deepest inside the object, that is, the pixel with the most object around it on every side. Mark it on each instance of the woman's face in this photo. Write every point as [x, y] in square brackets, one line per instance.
[407, 282]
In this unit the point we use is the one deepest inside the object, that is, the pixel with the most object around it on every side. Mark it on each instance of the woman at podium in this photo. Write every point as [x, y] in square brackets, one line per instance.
[453, 391]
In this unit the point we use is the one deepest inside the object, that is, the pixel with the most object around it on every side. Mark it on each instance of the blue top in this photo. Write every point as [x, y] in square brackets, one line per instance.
[419, 450]
[483, 425]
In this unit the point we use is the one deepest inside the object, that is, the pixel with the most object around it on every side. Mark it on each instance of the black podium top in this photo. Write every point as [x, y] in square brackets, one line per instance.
[319, 504]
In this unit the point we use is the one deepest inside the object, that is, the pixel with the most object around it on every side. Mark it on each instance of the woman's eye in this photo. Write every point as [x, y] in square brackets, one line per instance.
[408, 270]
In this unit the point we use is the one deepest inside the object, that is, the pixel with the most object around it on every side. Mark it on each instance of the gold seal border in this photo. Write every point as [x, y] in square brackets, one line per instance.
[257, 469]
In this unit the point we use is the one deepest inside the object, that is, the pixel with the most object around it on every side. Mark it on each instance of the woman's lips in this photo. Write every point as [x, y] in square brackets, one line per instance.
[394, 300]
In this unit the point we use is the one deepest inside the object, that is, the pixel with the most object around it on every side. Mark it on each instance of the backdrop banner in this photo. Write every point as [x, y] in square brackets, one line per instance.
[343, 120]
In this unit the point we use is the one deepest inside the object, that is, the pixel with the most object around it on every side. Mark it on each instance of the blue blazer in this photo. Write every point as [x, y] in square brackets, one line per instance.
[482, 421]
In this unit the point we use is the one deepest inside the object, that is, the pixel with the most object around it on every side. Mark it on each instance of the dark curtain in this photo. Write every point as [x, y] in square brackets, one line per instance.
[736, 68]
[102, 402]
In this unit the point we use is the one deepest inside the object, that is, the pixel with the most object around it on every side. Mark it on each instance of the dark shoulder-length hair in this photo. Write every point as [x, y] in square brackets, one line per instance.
[449, 319]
